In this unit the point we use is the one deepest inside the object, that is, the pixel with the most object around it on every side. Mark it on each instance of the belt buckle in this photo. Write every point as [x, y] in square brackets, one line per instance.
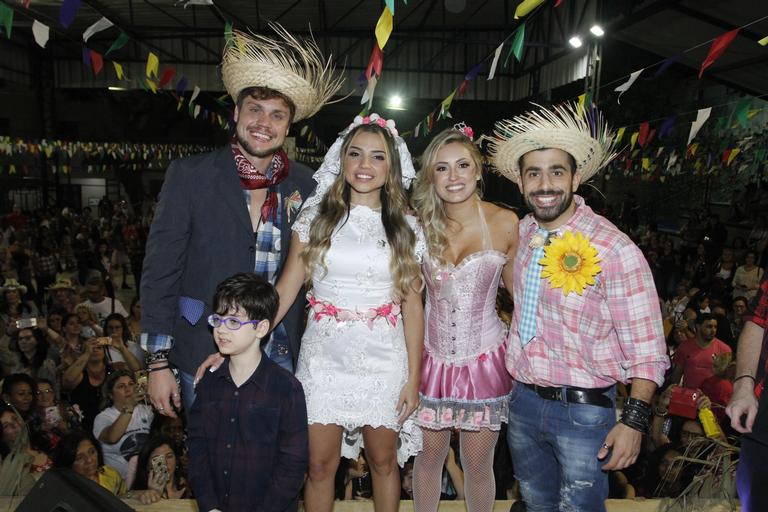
[559, 394]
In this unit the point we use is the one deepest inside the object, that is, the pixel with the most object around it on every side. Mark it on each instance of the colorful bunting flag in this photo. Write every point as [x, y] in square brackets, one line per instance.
[102, 24]
[384, 28]
[495, 62]
[763, 41]
[557, 4]
[742, 112]
[97, 62]
[526, 6]
[633, 140]
[620, 134]
[375, 63]
[666, 126]
[626, 85]
[152, 64]
[445, 106]
[68, 12]
[733, 153]
[118, 70]
[701, 117]
[86, 56]
[228, 32]
[41, 32]
[181, 85]
[390, 6]
[666, 65]
[195, 92]
[643, 133]
[6, 18]
[168, 74]
[121, 40]
[518, 43]
[718, 47]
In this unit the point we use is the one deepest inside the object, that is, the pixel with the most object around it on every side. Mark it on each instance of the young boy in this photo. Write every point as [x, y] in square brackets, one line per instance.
[248, 424]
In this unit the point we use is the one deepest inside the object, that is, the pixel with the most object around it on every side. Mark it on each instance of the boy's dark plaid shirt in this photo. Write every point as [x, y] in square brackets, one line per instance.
[248, 445]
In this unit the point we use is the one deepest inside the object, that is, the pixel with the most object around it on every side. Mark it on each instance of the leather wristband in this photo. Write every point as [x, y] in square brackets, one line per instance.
[158, 368]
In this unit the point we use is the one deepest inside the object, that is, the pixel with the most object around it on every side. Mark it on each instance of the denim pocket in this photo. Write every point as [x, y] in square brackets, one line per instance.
[583, 415]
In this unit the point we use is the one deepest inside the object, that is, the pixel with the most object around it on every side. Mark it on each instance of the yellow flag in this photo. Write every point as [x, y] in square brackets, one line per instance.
[734, 152]
[763, 41]
[620, 134]
[693, 148]
[384, 28]
[118, 70]
[526, 6]
[446, 105]
[152, 85]
[633, 139]
[646, 163]
[152, 65]
[582, 98]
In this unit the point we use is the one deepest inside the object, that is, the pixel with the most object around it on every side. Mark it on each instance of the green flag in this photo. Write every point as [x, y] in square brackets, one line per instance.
[121, 40]
[516, 47]
[6, 18]
[228, 32]
[742, 112]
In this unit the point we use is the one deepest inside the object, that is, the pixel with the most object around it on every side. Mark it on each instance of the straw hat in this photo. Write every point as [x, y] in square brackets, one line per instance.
[294, 68]
[11, 284]
[568, 127]
[62, 283]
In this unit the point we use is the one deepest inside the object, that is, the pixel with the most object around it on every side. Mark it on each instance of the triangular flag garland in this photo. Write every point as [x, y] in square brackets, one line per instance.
[626, 85]
[701, 118]
[152, 64]
[383, 28]
[102, 24]
[41, 33]
[68, 12]
[121, 40]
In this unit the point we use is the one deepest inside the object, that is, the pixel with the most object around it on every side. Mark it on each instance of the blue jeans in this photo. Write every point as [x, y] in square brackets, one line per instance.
[554, 449]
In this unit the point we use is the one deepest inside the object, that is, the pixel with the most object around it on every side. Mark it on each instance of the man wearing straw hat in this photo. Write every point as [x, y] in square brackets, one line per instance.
[586, 317]
[231, 210]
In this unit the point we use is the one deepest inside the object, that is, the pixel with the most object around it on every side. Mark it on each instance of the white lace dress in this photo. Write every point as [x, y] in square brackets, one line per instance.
[352, 370]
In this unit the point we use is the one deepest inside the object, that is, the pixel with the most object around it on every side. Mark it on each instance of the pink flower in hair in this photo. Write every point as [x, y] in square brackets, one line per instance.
[469, 133]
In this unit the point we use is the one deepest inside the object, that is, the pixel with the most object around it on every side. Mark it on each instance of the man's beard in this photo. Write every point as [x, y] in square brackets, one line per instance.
[550, 213]
[246, 147]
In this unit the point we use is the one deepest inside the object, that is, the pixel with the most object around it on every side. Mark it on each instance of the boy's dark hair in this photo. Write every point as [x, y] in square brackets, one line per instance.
[265, 93]
[249, 292]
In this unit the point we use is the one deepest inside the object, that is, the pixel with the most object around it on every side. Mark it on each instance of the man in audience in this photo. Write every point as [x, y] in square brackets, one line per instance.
[693, 358]
[99, 304]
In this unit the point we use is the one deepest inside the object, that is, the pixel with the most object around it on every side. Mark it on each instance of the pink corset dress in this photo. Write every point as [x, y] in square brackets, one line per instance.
[464, 383]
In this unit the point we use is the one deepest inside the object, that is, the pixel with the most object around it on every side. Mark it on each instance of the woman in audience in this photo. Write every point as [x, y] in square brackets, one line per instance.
[88, 321]
[156, 482]
[83, 380]
[80, 452]
[134, 319]
[17, 440]
[19, 392]
[123, 426]
[747, 277]
[123, 353]
[71, 346]
[33, 354]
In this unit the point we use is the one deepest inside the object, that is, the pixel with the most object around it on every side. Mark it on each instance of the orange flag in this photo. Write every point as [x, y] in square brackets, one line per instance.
[718, 47]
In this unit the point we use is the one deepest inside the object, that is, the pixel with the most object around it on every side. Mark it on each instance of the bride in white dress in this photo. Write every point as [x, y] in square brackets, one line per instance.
[360, 357]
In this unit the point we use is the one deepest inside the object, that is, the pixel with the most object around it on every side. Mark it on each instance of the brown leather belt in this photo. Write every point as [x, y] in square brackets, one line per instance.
[573, 395]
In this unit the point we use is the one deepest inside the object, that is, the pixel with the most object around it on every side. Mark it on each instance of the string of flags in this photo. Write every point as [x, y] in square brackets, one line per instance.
[92, 156]
[153, 80]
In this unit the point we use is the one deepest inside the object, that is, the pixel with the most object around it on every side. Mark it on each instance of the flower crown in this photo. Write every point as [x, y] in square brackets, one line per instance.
[465, 129]
[374, 118]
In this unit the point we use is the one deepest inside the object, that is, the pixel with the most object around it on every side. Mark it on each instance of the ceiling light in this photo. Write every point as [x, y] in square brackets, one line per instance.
[115, 88]
[575, 41]
[395, 102]
[597, 30]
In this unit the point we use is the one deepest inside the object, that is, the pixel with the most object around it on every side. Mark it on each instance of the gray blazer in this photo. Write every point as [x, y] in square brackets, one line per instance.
[201, 234]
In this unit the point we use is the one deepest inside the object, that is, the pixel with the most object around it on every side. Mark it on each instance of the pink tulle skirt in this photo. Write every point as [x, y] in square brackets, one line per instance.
[468, 397]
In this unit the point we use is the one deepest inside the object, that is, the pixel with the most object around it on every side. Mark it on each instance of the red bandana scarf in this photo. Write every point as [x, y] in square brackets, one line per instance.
[252, 179]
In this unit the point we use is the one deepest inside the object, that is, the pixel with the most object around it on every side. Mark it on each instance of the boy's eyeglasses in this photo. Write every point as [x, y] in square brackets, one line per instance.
[230, 322]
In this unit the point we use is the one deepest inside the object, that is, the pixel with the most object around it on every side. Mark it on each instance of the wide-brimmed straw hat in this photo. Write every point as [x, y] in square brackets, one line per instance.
[581, 133]
[292, 67]
[11, 284]
[62, 283]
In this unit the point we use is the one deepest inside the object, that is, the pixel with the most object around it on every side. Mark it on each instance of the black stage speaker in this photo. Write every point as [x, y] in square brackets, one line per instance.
[63, 490]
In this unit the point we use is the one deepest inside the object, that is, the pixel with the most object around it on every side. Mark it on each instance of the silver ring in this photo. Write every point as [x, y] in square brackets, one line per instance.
[604, 445]
[161, 408]
[175, 394]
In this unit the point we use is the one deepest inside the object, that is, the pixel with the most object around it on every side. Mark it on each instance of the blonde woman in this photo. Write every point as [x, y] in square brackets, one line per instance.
[359, 363]
[464, 383]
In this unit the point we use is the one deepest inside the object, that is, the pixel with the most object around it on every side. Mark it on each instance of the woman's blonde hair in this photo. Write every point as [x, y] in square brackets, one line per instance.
[335, 206]
[429, 207]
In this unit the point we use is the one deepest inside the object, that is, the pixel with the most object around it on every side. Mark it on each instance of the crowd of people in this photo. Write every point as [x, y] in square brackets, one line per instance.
[401, 357]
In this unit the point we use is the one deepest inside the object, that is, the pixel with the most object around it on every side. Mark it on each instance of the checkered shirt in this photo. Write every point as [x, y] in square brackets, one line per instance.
[612, 332]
